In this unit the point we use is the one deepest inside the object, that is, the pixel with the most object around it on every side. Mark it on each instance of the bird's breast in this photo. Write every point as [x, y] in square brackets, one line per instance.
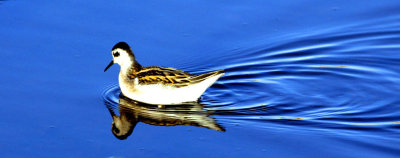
[126, 84]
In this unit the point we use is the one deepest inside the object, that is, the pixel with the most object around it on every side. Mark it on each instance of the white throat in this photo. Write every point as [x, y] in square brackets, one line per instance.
[126, 65]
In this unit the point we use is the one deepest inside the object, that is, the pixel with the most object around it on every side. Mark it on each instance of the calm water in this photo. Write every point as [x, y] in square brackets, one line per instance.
[304, 78]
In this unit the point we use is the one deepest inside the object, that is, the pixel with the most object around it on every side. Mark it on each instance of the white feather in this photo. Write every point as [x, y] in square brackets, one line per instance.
[161, 94]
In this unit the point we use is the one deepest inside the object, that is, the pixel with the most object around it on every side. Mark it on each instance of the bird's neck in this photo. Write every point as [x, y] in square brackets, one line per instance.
[130, 67]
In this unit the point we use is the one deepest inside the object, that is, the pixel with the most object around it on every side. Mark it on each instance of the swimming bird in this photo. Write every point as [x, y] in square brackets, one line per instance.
[158, 85]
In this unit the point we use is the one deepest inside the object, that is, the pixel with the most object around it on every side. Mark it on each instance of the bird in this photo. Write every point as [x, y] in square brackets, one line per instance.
[155, 84]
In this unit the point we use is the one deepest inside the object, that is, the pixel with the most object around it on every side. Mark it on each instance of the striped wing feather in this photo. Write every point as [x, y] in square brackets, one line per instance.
[170, 76]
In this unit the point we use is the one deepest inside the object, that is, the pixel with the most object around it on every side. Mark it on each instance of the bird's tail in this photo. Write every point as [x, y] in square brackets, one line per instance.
[202, 77]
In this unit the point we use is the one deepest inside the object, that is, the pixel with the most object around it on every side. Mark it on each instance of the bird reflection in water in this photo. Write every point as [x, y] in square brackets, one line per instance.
[131, 112]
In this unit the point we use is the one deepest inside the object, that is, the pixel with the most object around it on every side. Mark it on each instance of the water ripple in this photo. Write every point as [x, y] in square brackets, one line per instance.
[343, 79]
[338, 80]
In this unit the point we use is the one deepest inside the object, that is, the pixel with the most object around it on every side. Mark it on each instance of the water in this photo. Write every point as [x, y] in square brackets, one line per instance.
[304, 79]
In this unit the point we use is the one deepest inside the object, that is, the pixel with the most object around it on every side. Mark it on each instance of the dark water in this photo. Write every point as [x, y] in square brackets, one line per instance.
[304, 78]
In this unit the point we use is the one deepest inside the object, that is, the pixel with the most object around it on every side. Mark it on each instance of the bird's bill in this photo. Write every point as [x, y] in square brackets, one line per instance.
[109, 65]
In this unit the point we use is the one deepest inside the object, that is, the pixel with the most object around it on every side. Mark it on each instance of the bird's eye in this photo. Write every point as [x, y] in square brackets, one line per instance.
[116, 54]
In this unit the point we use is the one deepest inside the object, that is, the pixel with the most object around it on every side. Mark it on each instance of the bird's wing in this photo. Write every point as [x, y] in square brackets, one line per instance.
[171, 76]
[162, 75]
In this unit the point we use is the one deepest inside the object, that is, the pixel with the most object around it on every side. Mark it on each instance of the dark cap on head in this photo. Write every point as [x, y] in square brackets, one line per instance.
[122, 45]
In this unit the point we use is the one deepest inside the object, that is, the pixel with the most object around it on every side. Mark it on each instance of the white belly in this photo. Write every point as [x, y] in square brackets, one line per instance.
[160, 94]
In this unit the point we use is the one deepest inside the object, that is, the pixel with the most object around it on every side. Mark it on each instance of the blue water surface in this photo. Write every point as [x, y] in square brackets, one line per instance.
[303, 78]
